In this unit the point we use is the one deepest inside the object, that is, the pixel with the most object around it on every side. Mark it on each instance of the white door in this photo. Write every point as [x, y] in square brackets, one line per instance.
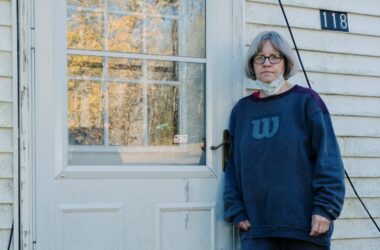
[125, 100]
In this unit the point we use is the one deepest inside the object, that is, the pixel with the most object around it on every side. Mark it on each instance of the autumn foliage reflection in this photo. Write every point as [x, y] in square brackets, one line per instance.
[123, 101]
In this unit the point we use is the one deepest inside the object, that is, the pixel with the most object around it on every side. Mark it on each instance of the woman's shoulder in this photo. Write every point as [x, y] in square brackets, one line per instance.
[311, 97]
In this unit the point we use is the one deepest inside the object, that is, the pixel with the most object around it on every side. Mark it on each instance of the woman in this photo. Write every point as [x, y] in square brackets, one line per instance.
[284, 182]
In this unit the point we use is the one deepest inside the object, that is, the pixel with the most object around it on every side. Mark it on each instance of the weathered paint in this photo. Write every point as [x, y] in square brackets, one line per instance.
[25, 151]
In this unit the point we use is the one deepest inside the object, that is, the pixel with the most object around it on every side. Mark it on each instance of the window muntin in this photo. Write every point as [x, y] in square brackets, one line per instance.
[136, 82]
[161, 27]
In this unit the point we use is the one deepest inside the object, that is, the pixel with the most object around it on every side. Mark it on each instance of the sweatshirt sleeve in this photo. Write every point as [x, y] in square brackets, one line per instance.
[328, 175]
[234, 211]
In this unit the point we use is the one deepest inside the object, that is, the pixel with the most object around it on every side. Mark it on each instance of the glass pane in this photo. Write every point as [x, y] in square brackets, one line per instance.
[192, 39]
[84, 29]
[164, 7]
[158, 118]
[163, 70]
[162, 36]
[124, 33]
[89, 4]
[90, 66]
[125, 114]
[162, 27]
[195, 102]
[163, 120]
[85, 119]
[124, 5]
[125, 68]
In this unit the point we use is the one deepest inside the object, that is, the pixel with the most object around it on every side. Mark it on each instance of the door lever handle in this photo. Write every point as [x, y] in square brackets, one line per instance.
[221, 144]
[226, 148]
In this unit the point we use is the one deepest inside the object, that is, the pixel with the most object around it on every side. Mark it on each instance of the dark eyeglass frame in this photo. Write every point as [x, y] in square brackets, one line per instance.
[270, 58]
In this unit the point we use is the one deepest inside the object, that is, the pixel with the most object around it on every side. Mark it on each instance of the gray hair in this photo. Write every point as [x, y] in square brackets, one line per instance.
[280, 44]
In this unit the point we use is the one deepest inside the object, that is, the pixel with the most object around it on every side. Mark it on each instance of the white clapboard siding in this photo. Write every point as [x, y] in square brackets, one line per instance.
[360, 147]
[5, 216]
[355, 228]
[5, 63]
[5, 13]
[356, 244]
[6, 165]
[367, 7]
[271, 14]
[4, 236]
[6, 116]
[366, 187]
[352, 105]
[354, 209]
[5, 89]
[327, 83]
[326, 41]
[6, 122]
[341, 63]
[6, 136]
[6, 194]
[343, 68]
[5, 41]
[352, 126]
[362, 167]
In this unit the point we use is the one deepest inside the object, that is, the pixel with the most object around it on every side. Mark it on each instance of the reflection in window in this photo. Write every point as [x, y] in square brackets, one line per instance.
[125, 68]
[85, 66]
[125, 114]
[127, 107]
[85, 120]
[163, 70]
[162, 114]
[124, 33]
[162, 27]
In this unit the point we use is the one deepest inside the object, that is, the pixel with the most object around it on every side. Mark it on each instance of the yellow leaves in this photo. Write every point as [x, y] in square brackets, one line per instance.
[84, 31]
[85, 65]
[125, 33]
[85, 104]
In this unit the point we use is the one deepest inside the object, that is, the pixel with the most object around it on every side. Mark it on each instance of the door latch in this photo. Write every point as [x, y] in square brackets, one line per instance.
[226, 148]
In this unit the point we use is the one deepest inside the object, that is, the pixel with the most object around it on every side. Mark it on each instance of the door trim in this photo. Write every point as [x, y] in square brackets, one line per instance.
[26, 130]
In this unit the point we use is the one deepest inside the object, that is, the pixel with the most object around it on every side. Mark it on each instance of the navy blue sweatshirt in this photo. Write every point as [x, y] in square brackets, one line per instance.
[284, 166]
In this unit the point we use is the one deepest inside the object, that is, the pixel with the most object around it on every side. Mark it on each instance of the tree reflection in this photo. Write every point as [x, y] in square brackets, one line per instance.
[114, 89]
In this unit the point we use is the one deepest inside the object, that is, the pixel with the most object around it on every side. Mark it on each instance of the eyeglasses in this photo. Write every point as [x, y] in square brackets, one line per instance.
[273, 59]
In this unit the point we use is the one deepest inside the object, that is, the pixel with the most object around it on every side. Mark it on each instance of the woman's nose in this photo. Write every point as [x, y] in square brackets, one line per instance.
[267, 62]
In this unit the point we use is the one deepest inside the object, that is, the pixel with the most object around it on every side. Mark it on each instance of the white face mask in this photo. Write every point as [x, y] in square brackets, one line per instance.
[273, 87]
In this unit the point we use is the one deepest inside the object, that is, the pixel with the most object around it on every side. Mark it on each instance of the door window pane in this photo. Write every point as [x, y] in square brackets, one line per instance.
[163, 123]
[124, 33]
[134, 107]
[161, 27]
[85, 29]
[127, 107]
[85, 117]
[125, 114]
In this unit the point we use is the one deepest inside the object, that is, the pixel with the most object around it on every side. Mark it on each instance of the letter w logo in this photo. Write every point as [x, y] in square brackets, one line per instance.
[262, 127]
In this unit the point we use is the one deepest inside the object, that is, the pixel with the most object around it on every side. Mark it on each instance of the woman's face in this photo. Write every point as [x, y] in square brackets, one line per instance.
[267, 71]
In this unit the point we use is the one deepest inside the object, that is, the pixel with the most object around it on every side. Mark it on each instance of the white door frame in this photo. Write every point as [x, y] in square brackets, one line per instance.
[26, 107]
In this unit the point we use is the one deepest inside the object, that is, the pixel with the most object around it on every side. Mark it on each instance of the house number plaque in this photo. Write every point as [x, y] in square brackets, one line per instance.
[334, 20]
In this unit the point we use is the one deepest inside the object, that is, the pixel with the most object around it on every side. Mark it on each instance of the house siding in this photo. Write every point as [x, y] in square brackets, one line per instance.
[344, 69]
[6, 123]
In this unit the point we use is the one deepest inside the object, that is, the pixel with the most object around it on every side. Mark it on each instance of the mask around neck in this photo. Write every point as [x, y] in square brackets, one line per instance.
[273, 87]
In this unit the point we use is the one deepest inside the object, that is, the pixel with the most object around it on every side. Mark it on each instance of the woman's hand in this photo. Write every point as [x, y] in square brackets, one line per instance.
[319, 225]
[244, 225]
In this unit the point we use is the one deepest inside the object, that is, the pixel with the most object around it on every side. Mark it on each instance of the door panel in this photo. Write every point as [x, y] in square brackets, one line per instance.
[121, 118]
